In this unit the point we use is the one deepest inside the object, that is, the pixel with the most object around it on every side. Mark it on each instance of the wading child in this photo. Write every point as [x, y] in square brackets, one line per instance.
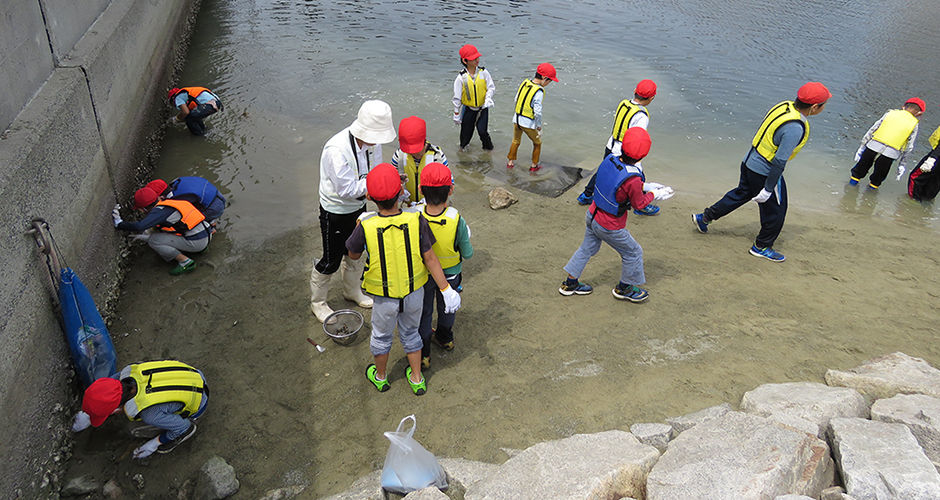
[527, 114]
[452, 247]
[620, 187]
[400, 259]
[195, 104]
[473, 97]
[413, 153]
[891, 138]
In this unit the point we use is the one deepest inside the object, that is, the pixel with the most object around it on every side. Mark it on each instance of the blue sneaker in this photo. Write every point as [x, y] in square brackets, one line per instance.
[631, 293]
[584, 199]
[578, 288]
[853, 181]
[767, 253]
[700, 224]
[648, 210]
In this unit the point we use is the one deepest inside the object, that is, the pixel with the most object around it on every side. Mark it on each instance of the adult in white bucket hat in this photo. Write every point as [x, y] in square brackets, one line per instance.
[346, 160]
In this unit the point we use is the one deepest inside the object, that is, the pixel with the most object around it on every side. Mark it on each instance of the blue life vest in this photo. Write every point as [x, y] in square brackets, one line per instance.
[611, 174]
[201, 193]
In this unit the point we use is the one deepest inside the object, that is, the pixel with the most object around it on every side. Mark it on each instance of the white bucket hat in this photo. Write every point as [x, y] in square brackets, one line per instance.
[374, 123]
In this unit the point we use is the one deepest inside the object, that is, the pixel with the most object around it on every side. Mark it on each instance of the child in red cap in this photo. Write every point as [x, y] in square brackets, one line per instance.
[400, 259]
[891, 138]
[452, 247]
[527, 114]
[413, 153]
[473, 97]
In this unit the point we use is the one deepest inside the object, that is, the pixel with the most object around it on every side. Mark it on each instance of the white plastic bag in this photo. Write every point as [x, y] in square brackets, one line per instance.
[408, 466]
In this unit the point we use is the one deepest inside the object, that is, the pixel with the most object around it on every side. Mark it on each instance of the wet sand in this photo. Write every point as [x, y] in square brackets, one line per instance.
[529, 365]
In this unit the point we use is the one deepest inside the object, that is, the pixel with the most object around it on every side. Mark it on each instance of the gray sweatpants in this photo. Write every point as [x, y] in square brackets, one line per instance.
[406, 313]
[169, 245]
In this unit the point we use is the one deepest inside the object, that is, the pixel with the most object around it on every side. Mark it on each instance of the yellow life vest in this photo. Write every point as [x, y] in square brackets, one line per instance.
[625, 112]
[444, 227]
[413, 171]
[474, 89]
[395, 267]
[164, 382]
[190, 217]
[895, 128]
[934, 138]
[784, 112]
[524, 96]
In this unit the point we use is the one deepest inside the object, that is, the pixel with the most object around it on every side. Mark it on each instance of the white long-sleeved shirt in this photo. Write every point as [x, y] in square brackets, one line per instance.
[458, 90]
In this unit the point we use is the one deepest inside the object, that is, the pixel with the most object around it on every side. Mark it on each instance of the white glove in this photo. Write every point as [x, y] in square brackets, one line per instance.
[469, 234]
[927, 166]
[147, 449]
[901, 169]
[144, 237]
[457, 118]
[663, 193]
[451, 300]
[405, 195]
[82, 422]
[761, 197]
[116, 215]
[649, 186]
[858, 154]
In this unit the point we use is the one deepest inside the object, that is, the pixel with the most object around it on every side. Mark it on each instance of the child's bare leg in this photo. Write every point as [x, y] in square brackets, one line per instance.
[414, 359]
[381, 363]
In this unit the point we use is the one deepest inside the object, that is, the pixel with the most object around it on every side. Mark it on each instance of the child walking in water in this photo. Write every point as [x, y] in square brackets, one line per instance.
[473, 96]
[527, 114]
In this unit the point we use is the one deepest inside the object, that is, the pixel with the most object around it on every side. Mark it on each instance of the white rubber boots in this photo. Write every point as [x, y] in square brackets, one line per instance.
[319, 290]
[352, 290]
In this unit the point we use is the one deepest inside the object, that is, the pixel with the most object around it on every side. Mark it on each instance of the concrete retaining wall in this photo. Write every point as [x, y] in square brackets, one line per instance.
[84, 102]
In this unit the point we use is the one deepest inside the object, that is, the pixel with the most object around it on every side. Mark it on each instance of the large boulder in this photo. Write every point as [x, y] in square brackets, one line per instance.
[656, 435]
[793, 403]
[920, 413]
[217, 480]
[462, 474]
[686, 422]
[881, 461]
[611, 464]
[368, 487]
[429, 493]
[741, 457]
[884, 377]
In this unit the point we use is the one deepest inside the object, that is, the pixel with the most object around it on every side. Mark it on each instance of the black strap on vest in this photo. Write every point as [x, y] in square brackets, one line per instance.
[411, 268]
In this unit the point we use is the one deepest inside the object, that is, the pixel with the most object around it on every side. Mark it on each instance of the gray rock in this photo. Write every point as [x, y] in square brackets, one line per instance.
[429, 493]
[81, 485]
[111, 490]
[889, 375]
[462, 474]
[881, 461]
[368, 487]
[217, 480]
[794, 497]
[500, 198]
[833, 493]
[655, 435]
[686, 422]
[611, 464]
[920, 413]
[800, 403]
[284, 493]
[741, 457]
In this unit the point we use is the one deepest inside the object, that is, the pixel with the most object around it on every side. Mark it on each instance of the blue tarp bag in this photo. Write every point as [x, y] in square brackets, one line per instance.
[92, 351]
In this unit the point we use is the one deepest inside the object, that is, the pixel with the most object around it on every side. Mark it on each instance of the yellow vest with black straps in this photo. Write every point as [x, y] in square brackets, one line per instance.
[895, 128]
[413, 171]
[395, 267]
[474, 89]
[524, 96]
[934, 138]
[625, 112]
[444, 227]
[784, 112]
[164, 382]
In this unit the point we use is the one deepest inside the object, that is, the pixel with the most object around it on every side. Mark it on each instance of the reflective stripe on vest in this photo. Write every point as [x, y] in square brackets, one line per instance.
[784, 112]
[413, 171]
[190, 217]
[395, 267]
[524, 96]
[625, 112]
[473, 95]
[611, 174]
[164, 382]
[895, 128]
[444, 227]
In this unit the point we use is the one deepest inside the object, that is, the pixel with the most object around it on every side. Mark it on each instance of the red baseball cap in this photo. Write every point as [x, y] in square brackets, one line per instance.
[144, 197]
[469, 52]
[636, 143]
[436, 174]
[919, 102]
[645, 89]
[813, 93]
[547, 70]
[412, 135]
[102, 397]
[158, 186]
[383, 182]
[173, 93]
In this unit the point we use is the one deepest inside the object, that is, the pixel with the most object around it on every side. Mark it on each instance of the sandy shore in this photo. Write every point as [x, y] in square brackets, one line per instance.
[530, 365]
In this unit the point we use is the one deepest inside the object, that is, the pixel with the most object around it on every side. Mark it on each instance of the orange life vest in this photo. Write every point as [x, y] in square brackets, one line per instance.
[190, 217]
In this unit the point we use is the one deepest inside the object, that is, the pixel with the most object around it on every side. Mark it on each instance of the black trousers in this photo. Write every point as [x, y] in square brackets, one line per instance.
[335, 229]
[479, 119]
[195, 116]
[772, 212]
[882, 165]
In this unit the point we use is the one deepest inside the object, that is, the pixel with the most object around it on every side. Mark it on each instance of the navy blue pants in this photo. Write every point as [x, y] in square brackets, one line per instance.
[195, 116]
[445, 322]
[479, 119]
[772, 212]
[882, 166]
[589, 188]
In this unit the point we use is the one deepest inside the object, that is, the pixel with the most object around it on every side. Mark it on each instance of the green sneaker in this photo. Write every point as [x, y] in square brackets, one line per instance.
[181, 269]
[421, 387]
[381, 385]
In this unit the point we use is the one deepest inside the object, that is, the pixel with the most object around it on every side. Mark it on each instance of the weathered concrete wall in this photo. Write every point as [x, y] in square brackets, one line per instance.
[86, 85]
